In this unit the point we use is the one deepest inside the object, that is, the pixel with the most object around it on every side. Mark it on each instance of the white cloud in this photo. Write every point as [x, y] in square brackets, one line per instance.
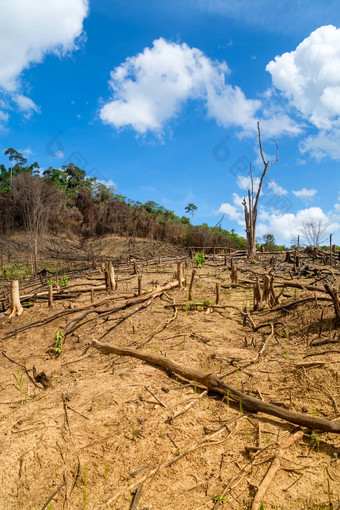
[276, 189]
[232, 212]
[289, 225]
[310, 76]
[108, 183]
[26, 105]
[323, 144]
[30, 30]
[59, 154]
[151, 88]
[305, 194]
[3, 116]
[244, 182]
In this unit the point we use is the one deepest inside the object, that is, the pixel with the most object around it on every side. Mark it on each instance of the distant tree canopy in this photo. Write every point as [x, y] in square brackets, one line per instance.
[72, 202]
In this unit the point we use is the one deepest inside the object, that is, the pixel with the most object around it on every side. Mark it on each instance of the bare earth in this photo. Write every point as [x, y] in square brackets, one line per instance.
[99, 433]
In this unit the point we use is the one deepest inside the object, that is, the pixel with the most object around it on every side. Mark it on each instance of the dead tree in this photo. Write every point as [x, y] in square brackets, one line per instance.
[250, 208]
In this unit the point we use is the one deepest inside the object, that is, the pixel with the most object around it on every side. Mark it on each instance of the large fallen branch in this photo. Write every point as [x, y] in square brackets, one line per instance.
[212, 382]
[91, 307]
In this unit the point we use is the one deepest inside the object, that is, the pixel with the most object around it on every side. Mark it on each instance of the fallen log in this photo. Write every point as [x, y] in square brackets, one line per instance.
[212, 382]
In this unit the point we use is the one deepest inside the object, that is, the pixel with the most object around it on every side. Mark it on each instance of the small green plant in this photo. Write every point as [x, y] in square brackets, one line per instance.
[262, 507]
[134, 433]
[51, 282]
[19, 386]
[107, 466]
[200, 259]
[64, 281]
[207, 303]
[59, 338]
[315, 439]
[219, 498]
[85, 482]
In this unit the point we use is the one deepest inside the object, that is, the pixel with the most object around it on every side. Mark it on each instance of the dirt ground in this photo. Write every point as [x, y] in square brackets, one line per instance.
[99, 434]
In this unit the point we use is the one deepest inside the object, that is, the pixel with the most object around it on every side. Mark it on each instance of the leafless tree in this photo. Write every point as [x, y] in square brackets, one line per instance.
[37, 201]
[314, 230]
[250, 208]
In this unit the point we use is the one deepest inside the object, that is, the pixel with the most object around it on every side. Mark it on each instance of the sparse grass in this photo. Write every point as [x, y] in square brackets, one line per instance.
[85, 475]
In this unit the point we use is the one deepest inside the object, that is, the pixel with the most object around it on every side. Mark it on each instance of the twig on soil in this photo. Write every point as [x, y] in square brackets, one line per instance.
[155, 396]
[206, 441]
[184, 409]
[136, 497]
[274, 468]
[58, 489]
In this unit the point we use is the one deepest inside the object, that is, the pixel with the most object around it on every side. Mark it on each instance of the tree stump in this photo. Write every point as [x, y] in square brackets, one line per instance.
[15, 305]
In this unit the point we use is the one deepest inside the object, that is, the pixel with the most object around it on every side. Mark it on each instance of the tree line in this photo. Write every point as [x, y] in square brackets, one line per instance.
[67, 200]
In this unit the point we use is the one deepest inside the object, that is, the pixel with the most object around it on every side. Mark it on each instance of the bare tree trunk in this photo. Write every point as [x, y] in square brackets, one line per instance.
[250, 208]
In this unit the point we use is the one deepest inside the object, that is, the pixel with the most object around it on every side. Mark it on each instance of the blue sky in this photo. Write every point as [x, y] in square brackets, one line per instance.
[162, 100]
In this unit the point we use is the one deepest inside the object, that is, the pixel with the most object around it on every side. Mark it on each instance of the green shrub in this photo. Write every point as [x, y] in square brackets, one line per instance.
[200, 259]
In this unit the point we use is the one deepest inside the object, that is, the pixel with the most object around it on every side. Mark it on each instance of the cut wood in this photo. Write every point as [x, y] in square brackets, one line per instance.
[212, 382]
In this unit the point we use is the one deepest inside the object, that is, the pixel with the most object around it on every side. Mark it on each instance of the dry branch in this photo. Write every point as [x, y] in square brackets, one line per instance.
[275, 466]
[212, 382]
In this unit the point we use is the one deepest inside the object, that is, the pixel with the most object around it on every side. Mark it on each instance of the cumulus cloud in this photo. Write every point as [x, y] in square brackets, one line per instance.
[150, 88]
[289, 225]
[30, 30]
[305, 194]
[309, 78]
[232, 212]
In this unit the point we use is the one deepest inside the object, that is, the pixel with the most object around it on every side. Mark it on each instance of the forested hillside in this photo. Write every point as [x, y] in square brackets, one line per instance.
[67, 200]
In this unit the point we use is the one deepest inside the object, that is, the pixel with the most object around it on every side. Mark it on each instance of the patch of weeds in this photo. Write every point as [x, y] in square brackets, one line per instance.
[63, 281]
[200, 259]
[59, 338]
[219, 498]
[207, 303]
[51, 282]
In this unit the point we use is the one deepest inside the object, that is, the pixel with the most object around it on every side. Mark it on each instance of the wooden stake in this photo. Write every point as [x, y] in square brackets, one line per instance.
[50, 296]
[140, 285]
[191, 284]
[217, 293]
[330, 251]
[180, 274]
